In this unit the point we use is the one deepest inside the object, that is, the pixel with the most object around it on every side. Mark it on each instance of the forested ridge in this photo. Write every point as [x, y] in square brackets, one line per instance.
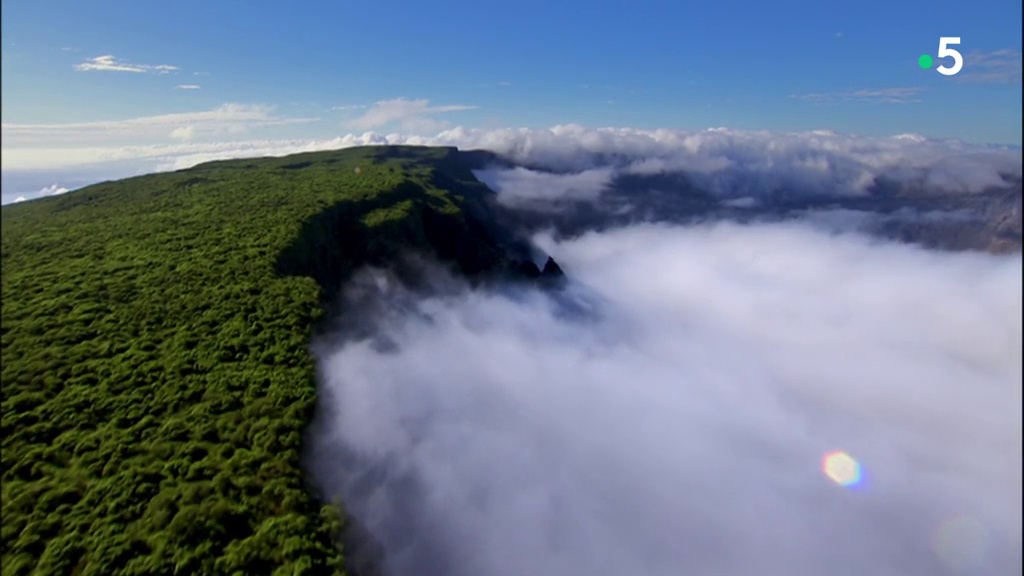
[156, 375]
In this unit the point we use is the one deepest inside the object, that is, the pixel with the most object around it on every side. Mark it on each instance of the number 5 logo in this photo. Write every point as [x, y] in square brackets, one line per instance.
[945, 50]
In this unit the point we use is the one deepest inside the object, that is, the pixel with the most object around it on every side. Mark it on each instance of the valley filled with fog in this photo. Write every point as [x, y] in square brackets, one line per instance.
[667, 410]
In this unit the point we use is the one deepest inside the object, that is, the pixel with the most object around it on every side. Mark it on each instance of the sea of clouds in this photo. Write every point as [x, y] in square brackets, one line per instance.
[730, 162]
[668, 412]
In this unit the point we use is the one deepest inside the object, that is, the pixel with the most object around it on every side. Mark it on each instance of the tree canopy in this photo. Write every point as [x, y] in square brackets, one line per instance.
[156, 375]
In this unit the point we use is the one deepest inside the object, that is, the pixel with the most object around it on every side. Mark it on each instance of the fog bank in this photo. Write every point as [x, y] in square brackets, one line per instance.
[669, 413]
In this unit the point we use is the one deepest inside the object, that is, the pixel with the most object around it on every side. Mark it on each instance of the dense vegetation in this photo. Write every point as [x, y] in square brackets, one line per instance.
[156, 379]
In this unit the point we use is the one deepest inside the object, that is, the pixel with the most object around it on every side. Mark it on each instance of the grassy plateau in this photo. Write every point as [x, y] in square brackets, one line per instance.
[156, 373]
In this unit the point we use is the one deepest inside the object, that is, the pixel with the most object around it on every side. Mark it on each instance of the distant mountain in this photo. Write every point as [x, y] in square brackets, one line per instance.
[913, 212]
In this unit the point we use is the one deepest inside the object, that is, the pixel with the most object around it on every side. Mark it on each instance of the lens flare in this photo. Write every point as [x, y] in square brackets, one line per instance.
[841, 468]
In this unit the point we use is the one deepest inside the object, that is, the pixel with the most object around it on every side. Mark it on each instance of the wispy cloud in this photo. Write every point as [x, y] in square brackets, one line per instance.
[997, 67]
[349, 107]
[840, 34]
[110, 63]
[411, 115]
[187, 87]
[504, 83]
[879, 96]
[896, 95]
[225, 119]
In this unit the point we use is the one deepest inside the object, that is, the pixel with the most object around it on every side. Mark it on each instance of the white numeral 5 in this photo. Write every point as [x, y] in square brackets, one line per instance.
[944, 50]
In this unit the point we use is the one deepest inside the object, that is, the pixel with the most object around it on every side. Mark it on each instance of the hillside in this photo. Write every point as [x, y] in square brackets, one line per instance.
[156, 379]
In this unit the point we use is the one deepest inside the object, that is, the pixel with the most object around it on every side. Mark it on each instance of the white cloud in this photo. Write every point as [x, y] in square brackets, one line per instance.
[996, 67]
[20, 199]
[880, 96]
[349, 107]
[109, 63]
[52, 190]
[224, 119]
[188, 87]
[523, 187]
[669, 414]
[411, 115]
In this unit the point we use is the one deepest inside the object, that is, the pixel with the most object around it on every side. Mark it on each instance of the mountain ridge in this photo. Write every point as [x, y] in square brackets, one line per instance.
[157, 379]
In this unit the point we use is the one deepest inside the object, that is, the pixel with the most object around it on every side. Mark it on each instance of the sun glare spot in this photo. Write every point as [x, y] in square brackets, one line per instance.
[841, 468]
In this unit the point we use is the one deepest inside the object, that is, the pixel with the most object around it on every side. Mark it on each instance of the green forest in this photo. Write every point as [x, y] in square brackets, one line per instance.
[156, 372]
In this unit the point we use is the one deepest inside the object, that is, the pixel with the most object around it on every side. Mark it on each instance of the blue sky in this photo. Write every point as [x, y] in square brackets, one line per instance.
[320, 69]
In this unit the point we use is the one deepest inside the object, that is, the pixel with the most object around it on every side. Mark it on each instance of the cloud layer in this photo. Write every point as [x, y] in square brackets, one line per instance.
[735, 162]
[731, 163]
[24, 140]
[670, 414]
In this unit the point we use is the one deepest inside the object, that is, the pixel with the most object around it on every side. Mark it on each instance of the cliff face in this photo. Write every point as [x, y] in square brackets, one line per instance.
[445, 215]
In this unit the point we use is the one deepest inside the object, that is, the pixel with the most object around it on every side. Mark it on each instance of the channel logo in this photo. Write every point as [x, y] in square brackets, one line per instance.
[926, 61]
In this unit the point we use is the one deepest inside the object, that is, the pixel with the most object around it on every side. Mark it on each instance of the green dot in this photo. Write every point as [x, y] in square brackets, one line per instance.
[925, 61]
